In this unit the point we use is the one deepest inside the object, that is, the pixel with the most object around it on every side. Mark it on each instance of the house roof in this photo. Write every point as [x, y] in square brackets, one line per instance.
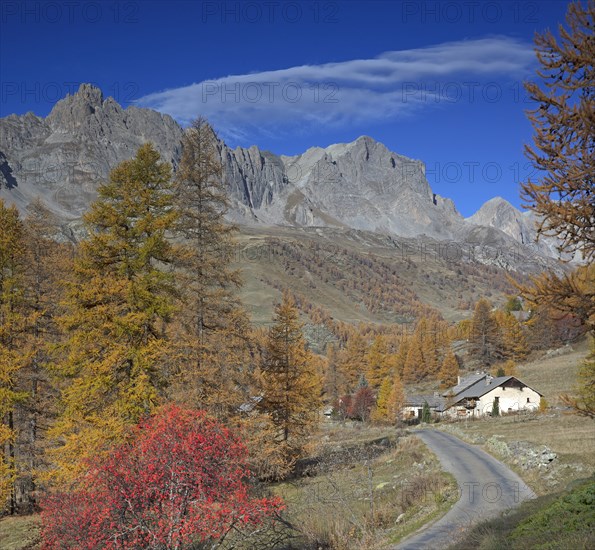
[475, 386]
[434, 401]
[480, 388]
[465, 383]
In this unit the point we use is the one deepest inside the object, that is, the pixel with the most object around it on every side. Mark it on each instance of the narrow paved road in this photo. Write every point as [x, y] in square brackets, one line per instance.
[486, 487]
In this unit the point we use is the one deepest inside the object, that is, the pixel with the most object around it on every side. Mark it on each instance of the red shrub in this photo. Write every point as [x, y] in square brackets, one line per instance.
[343, 406]
[362, 404]
[180, 480]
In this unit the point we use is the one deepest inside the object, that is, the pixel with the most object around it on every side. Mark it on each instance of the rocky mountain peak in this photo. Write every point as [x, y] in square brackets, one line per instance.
[521, 226]
[74, 109]
[64, 157]
[90, 94]
[497, 212]
[360, 185]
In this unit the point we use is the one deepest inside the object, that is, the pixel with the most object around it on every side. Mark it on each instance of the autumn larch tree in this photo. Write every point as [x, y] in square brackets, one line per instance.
[542, 330]
[378, 361]
[14, 352]
[332, 378]
[415, 368]
[122, 295]
[429, 335]
[583, 402]
[396, 400]
[509, 368]
[401, 355]
[564, 150]
[176, 483]
[212, 343]
[485, 336]
[352, 361]
[564, 133]
[380, 413]
[291, 387]
[449, 370]
[513, 340]
[570, 294]
[47, 267]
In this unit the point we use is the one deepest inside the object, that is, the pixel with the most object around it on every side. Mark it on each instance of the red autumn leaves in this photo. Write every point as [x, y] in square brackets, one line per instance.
[179, 480]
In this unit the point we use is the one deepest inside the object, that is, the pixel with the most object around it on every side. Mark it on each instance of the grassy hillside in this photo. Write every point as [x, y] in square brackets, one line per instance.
[361, 276]
[553, 522]
[361, 501]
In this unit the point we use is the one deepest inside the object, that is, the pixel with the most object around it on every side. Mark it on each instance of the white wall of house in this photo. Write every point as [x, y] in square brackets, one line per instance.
[510, 400]
[409, 412]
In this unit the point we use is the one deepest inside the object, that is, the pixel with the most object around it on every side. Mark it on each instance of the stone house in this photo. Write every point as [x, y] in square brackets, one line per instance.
[474, 396]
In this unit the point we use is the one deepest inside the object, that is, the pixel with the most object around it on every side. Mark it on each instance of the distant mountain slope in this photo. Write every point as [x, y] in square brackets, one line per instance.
[349, 186]
[363, 276]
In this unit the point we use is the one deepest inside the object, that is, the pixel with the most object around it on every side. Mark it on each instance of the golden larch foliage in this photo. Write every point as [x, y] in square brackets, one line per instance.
[396, 400]
[118, 305]
[564, 133]
[449, 371]
[291, 386]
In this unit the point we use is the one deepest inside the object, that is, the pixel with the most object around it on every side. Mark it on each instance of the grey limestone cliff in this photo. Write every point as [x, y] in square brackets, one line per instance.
[360, 185]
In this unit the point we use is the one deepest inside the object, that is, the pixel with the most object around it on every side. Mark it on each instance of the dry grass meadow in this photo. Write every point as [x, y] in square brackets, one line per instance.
[368, 503]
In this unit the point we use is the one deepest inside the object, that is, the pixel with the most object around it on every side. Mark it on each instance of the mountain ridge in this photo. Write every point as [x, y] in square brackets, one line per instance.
[360, 185]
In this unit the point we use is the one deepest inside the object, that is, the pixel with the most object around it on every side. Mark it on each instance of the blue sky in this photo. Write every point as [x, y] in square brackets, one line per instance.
[436, 81]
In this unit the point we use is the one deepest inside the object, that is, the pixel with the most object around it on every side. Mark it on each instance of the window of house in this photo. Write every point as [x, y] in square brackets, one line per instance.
[528, 400]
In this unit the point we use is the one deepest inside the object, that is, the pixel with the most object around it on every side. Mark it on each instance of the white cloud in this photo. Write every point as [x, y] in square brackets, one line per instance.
[395, 83]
